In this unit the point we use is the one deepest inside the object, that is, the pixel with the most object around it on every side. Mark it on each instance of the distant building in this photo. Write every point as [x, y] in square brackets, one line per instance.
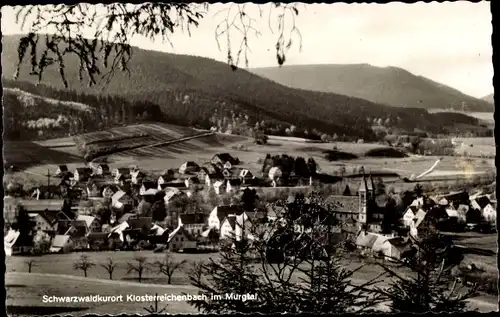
[233, 185]
[484, 205]
[220, 212]
[220, 187]
[223, 158]
[61, 170]
[82, 174]
[180, 239]
[189, 167]
[193, 223]
[103, 170]
[166, 176]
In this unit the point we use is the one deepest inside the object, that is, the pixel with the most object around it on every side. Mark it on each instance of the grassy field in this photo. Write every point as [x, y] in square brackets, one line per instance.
[54, 275]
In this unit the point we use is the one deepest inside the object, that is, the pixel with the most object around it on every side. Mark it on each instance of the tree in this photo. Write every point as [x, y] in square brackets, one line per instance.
[311, 163]
[84, 264]
[30, 263]
[269, 264]
[159, 210]
[115, 24]
[347, 191]
[431, 288]
[139, 265]
[168, 267]
[110, 266]
[342, 171]
[249, 199]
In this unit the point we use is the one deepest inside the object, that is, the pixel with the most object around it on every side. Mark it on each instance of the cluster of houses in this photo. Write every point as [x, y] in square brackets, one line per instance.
[68, 222]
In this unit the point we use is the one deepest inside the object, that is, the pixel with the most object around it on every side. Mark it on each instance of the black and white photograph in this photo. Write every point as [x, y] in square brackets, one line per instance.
[226, 158]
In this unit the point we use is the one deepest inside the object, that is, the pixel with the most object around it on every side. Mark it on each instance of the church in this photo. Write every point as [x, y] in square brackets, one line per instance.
[359, 209]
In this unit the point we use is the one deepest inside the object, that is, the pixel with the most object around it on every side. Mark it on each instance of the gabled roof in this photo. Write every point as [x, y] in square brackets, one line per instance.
[419, 217]
[483, 201]
[366, 240]
[176, 183]
[150, 192]
[118, 196]
[341, 203]
[190, 164]
[49, 216]
[183, 231]
[196, 218]
[275, 211]
[226, 157]
[451, 212]
[412, 208]
[219, 183]
[84, 171]
[224, 211]
[149, 184]
[88, 219]
[399, 243]
[97, 236]
[104, 167]
[59, 241]
[211, 168]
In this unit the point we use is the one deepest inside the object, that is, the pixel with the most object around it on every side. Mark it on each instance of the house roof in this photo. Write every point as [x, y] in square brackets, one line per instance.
[340, 203]
[42, 204]
[451, 212]
[366, 240]
[88, 219]
[275, 211]
[140, 222]
[419, 217]
[219, 183]
[84, 171]
[412, 208]
[105, 167]
[226, 157]
[483, 201]
[125, 217]
[245, 173]
[211, 168]
[195, 218]
[121, 171]
[150, 192]
[149, 184]
[118, 196]
[59, 241]
[176, 183]
[234, 182]
[224, 211]
[181, 230]
[399, 243]
[50, 216]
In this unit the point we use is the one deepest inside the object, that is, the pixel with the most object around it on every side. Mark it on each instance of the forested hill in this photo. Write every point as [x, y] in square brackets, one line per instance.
[191, 89]
[387, 85]
[490, 99]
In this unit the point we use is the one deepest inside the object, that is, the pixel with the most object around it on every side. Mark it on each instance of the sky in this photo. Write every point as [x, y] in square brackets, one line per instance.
[447, 42]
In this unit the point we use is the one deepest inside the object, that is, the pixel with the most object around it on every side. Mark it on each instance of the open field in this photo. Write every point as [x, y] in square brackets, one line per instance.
[27, 289]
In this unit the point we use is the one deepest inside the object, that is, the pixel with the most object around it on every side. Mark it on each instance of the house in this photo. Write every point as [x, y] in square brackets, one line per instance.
[275, 173]
[246, 176]
[98, 241]
[102, 170]
[375, 227]
[372, 243]
[223, 158]
[92, 223]
[189, 167]
[212, 179]
[171, 193]
[49, 192]
[233, 185]
[46, 220]
[394, 248]
[219, 213]
[10, 240]
[484, 204]
[140, 223]
[410, 214]
[343, 207]
[275, 212]
[451, 212]
[220, 187]
[82, 174]
[109, 190]
[121, 200]
[462, 211]
[228, 227]
[228, 165]
[136, 177]
[189, 182]
[60, 243]
[418, 220]
[61, 170]
[148, 186]
[181, 240]
[166, 176]
[193, 223]
[121, 171]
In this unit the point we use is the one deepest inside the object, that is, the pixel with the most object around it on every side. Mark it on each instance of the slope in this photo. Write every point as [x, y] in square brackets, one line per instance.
[489, 98]
[191, 89]
[387, 85]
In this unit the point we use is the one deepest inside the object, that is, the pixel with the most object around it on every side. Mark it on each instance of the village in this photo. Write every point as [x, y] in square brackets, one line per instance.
[98, 208]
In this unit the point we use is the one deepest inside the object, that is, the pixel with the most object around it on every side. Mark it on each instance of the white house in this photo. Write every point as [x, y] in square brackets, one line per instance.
[136, 176]
[148, 188]
[189, 167]
[171, 193]
[93, 224]
[245, 175]
[219, 213]
[228, 226]
[409, 215]
[235, 226]
[419, 218]
[166, 176]
[485, 206]
[220, 187]
[451, 212]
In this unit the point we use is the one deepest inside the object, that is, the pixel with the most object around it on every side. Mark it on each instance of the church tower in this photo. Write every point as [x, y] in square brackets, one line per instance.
[365, 193]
